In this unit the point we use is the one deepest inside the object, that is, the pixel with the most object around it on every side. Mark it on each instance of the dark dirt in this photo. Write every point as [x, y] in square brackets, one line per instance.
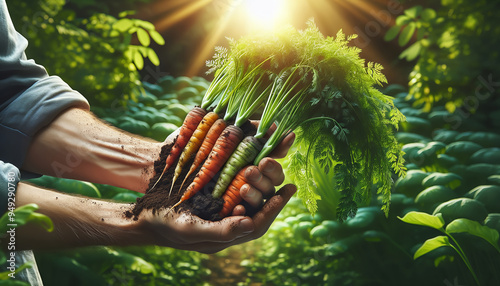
[202, 204]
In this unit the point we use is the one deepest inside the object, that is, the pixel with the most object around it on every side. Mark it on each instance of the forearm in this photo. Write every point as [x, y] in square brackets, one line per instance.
[78, 221]
[77, 145]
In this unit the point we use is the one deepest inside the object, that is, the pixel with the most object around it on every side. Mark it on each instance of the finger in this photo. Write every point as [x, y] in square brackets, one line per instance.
[251, 195]
[282, 149]
[272, 170]
[239, 210]
[262, 221]
[260, 182]
[226, 230]
[184, 228]
[265, 217]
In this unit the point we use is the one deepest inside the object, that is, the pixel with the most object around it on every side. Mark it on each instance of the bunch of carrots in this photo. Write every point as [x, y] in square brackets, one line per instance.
[281, 77]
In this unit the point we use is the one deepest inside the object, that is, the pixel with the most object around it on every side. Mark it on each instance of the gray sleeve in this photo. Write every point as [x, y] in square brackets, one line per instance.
[29, 98]
[9, 178]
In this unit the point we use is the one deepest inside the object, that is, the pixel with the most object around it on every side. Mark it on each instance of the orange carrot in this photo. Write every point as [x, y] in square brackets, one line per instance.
[194, 143]
[223, 148]
[232, 196]
[190, 123]
[206, 146]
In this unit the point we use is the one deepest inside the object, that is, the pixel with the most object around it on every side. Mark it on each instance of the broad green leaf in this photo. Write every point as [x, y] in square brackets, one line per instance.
[42, 220]
[402, 20]
[411, 52]
[157, 37]
[138, 60]
[392, 33]
[431, 244]
[413, 12]
[23, 212]
[146, 25]
[442, 258]
[123, 25]
[126, 13]
[153, 57]
[143, 51]
[474, 228]
[143, 37]
[421, 33]
[428, 14]
[5, 275]
[425, 219]
[134, 263]
[406, 34]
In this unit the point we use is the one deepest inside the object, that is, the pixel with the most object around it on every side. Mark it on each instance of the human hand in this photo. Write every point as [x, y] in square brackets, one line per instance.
[186, 231]
[263, 178]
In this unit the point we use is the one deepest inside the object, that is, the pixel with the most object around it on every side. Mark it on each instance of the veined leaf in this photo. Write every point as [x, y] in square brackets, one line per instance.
[431, 244]
[425, 219]
[474, 228]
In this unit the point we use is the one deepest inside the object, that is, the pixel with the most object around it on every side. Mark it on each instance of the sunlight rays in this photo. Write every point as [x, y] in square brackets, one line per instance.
[206, 48]
[186, 10]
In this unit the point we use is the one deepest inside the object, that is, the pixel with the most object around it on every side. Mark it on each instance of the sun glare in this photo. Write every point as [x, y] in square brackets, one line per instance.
[264, 14]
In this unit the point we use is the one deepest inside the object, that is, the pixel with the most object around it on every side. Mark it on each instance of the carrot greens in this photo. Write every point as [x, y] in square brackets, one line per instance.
[320, 88]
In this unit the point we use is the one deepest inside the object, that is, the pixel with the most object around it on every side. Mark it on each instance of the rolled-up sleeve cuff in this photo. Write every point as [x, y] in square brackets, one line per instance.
[9, 178]
[34, 109]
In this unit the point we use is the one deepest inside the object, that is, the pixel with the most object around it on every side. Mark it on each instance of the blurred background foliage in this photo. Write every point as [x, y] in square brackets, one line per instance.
[454, 47]
[96, 55]
[444, 55]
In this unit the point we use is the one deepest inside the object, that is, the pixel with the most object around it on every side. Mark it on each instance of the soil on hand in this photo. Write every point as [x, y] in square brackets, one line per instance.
[202, 204]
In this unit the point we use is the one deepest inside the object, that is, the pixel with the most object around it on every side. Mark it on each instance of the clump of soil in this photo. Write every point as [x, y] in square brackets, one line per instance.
[201, 204]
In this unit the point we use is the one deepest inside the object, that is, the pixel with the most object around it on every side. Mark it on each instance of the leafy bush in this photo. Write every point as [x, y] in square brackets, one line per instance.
[93, 55]
[453, 48]
[446, 177]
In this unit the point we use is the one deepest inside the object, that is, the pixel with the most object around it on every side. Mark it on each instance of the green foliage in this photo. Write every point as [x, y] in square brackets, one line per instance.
[94, 55]
[424, 219]
[349, 253]
[454, 46]
[324, 89]
[460, 225]
[431, 244]
[23, 215]
[474, 228]
[161, 105]
[122, 266]
[19, 217]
